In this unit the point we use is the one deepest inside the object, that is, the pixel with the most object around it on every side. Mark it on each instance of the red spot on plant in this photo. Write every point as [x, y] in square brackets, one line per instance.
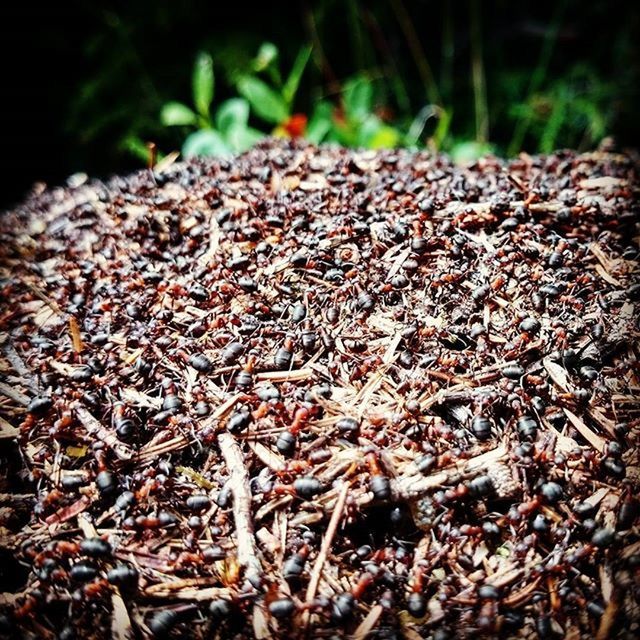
[295, 126]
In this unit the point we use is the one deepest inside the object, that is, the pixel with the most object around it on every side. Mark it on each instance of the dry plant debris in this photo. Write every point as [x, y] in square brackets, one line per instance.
[314, 393]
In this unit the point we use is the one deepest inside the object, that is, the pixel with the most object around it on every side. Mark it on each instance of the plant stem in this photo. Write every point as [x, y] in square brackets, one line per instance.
[478, 77]
[382, 45]
[318, 52]
[537, 78]
[448, 51]
[355, 28]
[424, 69]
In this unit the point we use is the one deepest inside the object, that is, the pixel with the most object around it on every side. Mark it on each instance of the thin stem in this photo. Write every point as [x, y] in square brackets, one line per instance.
[448, 52]
[355, 28]
[419, 56]
[478, 77]
[382, 45]
[537, 79]
[318, 52]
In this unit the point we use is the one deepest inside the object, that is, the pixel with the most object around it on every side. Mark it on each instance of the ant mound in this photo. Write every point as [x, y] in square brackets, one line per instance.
[317, 392]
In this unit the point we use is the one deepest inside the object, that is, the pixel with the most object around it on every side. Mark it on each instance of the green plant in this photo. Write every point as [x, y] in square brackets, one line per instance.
[222, 134]
[356, 124]
[572, 111]
[413, 74]
[272, 102]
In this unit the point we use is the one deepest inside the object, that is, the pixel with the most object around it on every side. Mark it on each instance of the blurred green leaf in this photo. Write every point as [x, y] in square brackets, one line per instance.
[358, 97]
[136, 147]
[469, 151]
[375, 134]
[442, 129]
[232, 112]
[344, 133]
[205, 142]
[385, 137]
[265, 102]
[240, 138]
[596, 120]
[267, 55]
[553, 126]
[177, 114]
[293, 81]
[320, 122]
[203, 84]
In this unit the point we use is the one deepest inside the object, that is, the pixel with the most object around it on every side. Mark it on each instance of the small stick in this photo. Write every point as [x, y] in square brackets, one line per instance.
[13, 394]
[517, 598]
[608, 619]
[153, 156]
[241, 491]
[324, 549]
[71, 511]
[17, 363]
[93, 426]
[414, 486]
[596, 441]
[120, 621]
[367, 625]
[267, 456]
[285, 376]
[7, 430]
[164, 588]
[154, 450]
[74, 330]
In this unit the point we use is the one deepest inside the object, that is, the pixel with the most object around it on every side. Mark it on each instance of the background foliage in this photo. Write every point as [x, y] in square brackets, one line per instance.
[463, 77]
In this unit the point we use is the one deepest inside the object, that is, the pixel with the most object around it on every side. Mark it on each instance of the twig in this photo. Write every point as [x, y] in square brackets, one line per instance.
[316, 572]
[7, 430]
[367, 625]
[120, 620]
[285, 376]
[413, 486]
[608, 619]
[596, 441]
[155, 449]
[267, 456]
[93, 426]
[76, 339]
[14, 395]
[241, 491]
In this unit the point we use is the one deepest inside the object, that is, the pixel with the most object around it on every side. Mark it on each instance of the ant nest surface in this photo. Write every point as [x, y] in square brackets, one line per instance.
[317, 393]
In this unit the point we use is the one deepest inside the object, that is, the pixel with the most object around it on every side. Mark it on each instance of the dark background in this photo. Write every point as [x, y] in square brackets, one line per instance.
[79, 77]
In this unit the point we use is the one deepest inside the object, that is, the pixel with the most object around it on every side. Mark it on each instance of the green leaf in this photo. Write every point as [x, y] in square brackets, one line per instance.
[239, 137]
[385, 137]
[205, 142]
[136, 147]
[177, 114]
[232, 113]
[344, 133]
[293, 81]
[375, 134]
[469, 151]
[202, 84]
[442, 129]
[320, 123]
[358, 97]
[267, 55]
[553, 126]
[266, 103]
